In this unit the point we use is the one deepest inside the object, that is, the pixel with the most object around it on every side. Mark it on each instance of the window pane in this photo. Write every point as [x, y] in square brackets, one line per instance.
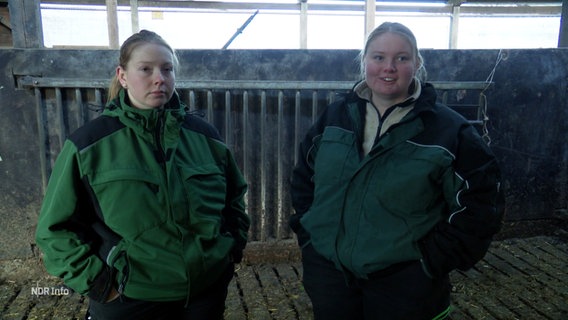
[430, 32]
[326, 31]
[73, 27]
[508, 32]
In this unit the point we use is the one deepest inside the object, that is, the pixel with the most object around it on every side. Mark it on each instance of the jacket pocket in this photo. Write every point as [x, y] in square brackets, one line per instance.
[123, 195]
[337, 156]
[215, 251]
[206, 190]
[118, 259]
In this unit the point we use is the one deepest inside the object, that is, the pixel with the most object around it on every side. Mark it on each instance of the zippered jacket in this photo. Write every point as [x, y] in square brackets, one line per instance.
[428, 189]
[150, 202]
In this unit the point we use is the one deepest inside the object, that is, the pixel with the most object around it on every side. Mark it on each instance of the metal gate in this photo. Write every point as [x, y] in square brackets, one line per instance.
[261, 121]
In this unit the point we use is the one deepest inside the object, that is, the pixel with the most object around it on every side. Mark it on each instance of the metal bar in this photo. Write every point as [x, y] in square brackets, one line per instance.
[62, 132]
[314, 106]
[228, 130]
[210, 106]
[330, 97]
[29, 81]
[280, 216]
[42, 139]
[192, 99]
[80, 108]
[249, 198]
[240, 30]
[264, 226]
[297, 124]
[98, 98]
[445, 97]
[245, 130]
[40, 82]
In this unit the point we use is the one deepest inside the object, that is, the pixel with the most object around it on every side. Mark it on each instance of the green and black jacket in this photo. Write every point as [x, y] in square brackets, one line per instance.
[148, 201]
[428, 190]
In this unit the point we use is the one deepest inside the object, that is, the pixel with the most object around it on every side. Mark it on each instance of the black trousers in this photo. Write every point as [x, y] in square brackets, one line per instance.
[209, 305]
[401, 292]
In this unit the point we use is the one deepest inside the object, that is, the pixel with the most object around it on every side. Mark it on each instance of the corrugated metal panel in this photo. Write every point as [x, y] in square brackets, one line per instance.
[262, 122]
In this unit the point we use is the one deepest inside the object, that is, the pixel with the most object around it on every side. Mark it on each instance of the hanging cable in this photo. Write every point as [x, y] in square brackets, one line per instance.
[483, 99]
[489, 79]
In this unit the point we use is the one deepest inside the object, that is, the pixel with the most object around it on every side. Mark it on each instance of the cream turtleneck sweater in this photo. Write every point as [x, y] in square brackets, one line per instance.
[373, 119]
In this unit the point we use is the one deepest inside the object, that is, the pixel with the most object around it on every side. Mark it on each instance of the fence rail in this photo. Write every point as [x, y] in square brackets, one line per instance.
[261, 121]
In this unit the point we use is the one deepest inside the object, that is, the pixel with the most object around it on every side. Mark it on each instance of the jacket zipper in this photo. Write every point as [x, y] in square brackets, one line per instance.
[125, 274]
[355, 114]
[162, 159]
[158, 133]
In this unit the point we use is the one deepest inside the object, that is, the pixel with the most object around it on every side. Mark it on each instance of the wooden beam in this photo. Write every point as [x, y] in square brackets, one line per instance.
[112, 21]
[370, 14]
[454, 27]
[134, 16]
[25, 22]
[303, 24]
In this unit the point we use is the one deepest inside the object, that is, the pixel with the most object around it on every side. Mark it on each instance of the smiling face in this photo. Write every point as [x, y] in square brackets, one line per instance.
[148, 76]
[390, 65]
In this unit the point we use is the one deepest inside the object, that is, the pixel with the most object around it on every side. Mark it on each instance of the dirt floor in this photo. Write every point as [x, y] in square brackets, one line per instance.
[520, 278]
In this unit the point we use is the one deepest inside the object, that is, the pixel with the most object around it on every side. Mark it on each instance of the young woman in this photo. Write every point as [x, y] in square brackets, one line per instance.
[392, 191]
[144, 211]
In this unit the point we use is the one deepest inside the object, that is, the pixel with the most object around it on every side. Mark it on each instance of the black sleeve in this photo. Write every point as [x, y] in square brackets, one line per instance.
[464, 237]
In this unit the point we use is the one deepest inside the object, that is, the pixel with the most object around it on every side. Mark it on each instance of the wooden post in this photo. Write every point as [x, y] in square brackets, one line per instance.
[112, 22]
[303, 24]
[370, 13]
[134, 16]
[25, 22]
[454, 26]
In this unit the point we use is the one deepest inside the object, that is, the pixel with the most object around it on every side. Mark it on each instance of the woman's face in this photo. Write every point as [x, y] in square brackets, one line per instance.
[149, 76]
[390, 66]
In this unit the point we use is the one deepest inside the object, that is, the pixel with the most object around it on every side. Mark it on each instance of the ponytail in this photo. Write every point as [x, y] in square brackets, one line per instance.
[114, 88]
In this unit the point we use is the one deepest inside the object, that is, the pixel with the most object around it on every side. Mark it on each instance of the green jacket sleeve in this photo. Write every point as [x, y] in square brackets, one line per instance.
[63, 229]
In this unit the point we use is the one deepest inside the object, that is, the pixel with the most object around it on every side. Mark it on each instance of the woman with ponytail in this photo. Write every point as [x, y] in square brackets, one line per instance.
[144, 211]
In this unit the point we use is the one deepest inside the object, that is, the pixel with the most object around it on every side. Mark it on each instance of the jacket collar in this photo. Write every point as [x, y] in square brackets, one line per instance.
[142, 119]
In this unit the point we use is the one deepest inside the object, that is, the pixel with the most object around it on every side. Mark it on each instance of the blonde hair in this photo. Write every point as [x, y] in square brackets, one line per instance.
[402, 30]
[135, 40]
